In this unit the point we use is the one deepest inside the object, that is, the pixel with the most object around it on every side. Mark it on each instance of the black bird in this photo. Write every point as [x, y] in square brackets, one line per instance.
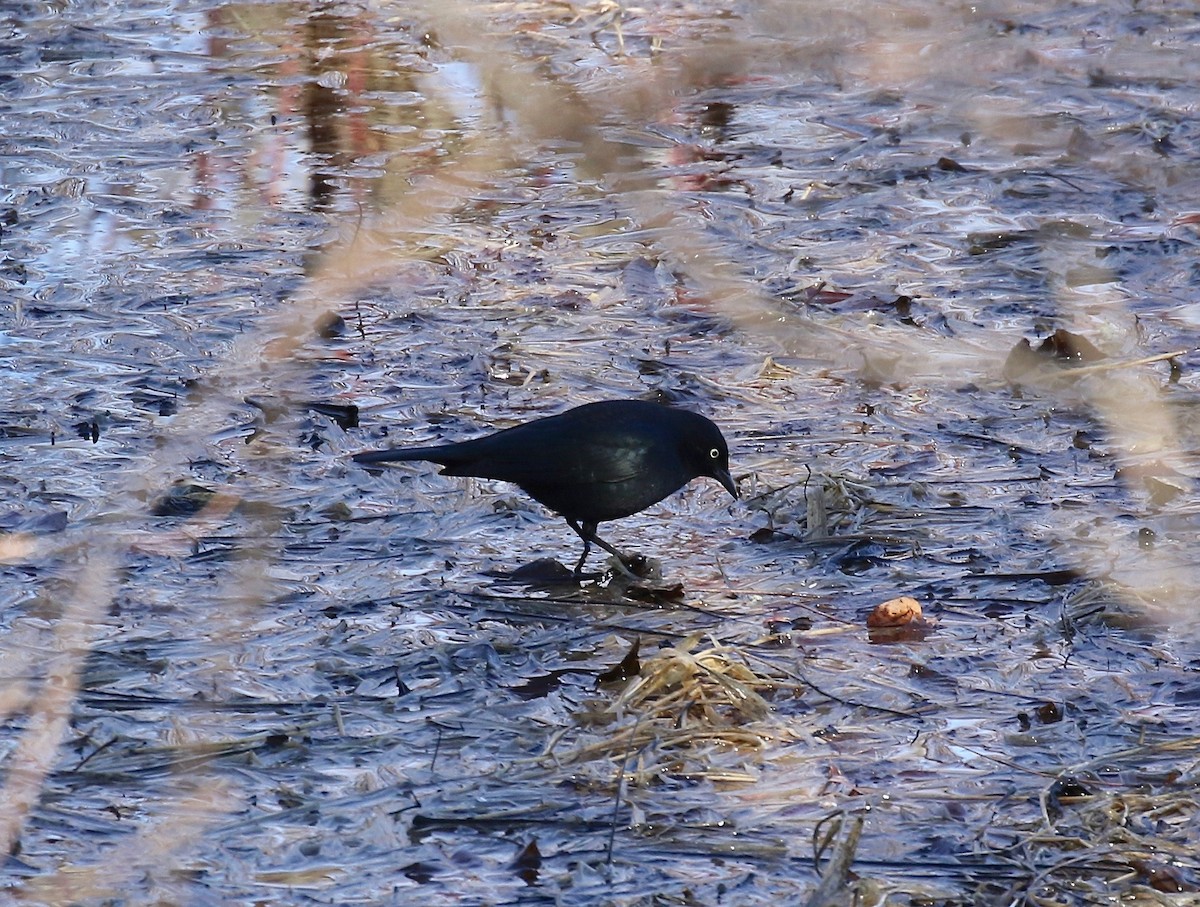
[597, 462]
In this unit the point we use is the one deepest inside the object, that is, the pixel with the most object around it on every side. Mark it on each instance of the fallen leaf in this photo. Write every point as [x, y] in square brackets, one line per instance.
[896, 612]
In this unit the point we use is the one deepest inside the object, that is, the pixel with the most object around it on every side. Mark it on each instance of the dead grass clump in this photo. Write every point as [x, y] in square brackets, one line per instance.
[1089, 840]
[686, 703]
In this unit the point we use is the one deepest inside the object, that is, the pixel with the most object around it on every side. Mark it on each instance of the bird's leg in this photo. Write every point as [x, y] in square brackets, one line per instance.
[587, 532]
[587, 546]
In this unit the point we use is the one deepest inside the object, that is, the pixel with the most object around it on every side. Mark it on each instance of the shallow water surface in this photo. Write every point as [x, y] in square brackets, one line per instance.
[239, 242]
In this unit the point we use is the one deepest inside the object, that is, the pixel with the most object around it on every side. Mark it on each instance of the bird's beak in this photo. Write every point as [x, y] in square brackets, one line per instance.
[726, 480]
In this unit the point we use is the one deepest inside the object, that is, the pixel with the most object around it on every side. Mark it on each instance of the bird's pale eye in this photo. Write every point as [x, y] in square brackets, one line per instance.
[715, 454]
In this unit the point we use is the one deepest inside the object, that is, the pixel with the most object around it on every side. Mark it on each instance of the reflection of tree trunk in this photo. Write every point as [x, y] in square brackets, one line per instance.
[321, 107]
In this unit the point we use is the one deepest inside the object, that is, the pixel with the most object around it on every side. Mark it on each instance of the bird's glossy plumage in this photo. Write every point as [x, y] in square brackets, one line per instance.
[597, 462]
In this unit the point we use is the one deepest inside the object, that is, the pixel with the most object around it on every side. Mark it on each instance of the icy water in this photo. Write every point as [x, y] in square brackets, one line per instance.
[239, 243]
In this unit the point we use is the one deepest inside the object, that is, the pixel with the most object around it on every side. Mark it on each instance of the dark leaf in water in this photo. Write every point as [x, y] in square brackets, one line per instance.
[1064, 346]
[88, 430]
[275, 741]
[421, 873]
[982, 243]
[528, 863]
[1049, 713]
[766, 535]
[545, 572]
[1069, 787]
[1164, 877]
[822, 296]
[289, 799]
[782, 628]
[344, 414]
[1057, 577]
[183, 499]
[1050, 577]
[656, 595]
[1060, 348]
[926, 674]
[630, 666]
[1152, 469]
[362, 606]
[653, 366]
[1163, 492]
[570, 300]
[946, 163]
[540, 686]
[817, 294]
[329, 325]
[856, 564]
[337, 512]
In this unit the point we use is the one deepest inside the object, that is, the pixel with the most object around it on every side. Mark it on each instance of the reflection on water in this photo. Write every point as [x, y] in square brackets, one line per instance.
[826, 228]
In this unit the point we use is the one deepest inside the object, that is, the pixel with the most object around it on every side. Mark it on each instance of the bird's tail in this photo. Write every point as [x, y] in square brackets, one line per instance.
[394, 454]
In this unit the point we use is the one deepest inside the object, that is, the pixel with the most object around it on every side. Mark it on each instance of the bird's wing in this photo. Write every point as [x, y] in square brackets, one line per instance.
[554, 458]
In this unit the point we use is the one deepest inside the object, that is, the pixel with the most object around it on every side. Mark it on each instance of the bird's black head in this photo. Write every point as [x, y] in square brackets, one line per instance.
[706, 453]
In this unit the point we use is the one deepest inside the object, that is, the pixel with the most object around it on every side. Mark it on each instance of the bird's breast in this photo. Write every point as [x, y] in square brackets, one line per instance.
[599, 501]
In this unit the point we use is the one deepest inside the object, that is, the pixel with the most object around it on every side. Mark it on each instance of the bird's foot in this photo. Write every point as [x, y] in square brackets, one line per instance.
[637, 563]
[636, 567]
[631, 569]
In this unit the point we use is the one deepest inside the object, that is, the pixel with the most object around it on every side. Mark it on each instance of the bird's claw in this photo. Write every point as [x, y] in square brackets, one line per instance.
[639, 564]
[633, 567]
